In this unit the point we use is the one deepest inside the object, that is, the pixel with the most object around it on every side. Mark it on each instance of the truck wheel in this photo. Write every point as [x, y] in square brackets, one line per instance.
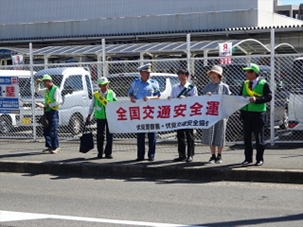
[5, 125]
[75, 125]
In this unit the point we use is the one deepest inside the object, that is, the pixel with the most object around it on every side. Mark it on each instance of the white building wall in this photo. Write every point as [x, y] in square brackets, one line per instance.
[272, 19]
[216, 14]
[265, 5]
[24, 11]
[145, 24]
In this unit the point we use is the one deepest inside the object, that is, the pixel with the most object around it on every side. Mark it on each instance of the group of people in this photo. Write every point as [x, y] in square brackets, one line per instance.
[144, 88]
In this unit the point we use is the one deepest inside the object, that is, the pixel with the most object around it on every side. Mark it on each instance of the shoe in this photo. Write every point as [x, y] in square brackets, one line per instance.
[47, 150]
[139, 159]
[246, 162]
[99, 156]
[212, 160]
[56, 151]
[151, 159]
[259, 163]
[179, 159]
[189, 159]
[109, 156]
[219, 160]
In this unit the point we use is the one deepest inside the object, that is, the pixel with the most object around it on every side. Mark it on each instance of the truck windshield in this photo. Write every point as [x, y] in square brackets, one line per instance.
[25, 91]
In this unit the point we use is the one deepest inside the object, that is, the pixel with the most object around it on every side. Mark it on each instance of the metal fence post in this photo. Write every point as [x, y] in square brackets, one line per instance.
[272, 86]
[104, 58]
[188, 52]
[32, 90]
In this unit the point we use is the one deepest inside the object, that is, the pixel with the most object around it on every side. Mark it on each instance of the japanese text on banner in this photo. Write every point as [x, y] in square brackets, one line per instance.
[168, 115]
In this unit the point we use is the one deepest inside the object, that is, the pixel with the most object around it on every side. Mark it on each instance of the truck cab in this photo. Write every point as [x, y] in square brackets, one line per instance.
[76, 90]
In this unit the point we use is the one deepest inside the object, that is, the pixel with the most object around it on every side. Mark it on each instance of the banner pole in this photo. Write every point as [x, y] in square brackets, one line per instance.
[32, 90]
[272, 86]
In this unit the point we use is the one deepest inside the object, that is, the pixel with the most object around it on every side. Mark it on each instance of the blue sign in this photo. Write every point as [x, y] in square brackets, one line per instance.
[6, 53]
[7, 103]
[9, 95]
[5, 80]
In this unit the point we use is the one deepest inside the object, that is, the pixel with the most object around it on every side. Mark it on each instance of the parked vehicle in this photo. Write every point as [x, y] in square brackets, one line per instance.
[77, 92]
[295, 105]
[121, 83]
[9, 121]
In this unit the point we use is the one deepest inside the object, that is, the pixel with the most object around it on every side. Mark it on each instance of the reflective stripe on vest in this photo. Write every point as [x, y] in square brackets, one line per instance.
[49, 98]
[251, 92]
[101, 99]
[100, 112]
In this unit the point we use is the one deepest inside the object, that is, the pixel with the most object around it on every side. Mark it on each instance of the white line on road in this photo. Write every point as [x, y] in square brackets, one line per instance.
[8, 216]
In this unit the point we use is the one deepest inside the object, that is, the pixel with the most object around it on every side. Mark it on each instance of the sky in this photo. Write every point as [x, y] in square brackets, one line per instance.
[291, 2]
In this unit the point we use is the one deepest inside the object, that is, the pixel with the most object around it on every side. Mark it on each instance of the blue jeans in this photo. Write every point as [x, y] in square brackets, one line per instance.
[51, 133]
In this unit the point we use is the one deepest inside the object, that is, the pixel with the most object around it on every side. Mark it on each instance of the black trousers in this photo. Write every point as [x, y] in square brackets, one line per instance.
[141, 145]
[254, 122]
[101, 125]
[189, 134]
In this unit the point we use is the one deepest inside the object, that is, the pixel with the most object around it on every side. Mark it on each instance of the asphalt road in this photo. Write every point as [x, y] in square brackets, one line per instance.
[45, 200]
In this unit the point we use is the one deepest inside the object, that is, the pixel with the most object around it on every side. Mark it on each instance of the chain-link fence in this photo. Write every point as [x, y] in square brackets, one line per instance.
[77, 81]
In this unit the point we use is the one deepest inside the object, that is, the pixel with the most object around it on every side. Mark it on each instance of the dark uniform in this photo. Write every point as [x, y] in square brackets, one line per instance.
[254, 115]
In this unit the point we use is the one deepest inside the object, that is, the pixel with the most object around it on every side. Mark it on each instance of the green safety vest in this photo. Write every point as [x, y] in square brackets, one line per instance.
[49, 98]
[100, 114]
[258, 90]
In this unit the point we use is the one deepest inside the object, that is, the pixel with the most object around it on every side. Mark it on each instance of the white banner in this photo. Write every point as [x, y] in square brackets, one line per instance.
[167, 115]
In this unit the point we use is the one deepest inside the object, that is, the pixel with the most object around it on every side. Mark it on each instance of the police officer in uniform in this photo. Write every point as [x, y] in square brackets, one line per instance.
[254, 113]
[146, 89]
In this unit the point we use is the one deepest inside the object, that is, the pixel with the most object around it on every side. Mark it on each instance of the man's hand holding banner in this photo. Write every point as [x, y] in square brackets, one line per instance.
[167, 115]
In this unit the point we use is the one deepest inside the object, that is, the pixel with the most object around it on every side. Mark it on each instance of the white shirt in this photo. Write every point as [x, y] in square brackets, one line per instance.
[177, 88]
[255, 81]
[57, 95]
[92, 105]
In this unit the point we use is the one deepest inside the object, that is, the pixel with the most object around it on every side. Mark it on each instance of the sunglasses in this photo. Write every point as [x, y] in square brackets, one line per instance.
[250, 71]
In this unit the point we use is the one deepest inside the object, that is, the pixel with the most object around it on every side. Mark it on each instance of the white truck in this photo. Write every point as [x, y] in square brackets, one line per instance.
[76, 89]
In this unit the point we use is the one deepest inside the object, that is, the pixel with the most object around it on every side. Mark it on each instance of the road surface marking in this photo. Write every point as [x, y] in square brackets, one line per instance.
[8, 216]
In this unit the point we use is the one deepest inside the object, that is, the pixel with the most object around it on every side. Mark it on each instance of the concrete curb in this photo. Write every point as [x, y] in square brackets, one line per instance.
[248, 174]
